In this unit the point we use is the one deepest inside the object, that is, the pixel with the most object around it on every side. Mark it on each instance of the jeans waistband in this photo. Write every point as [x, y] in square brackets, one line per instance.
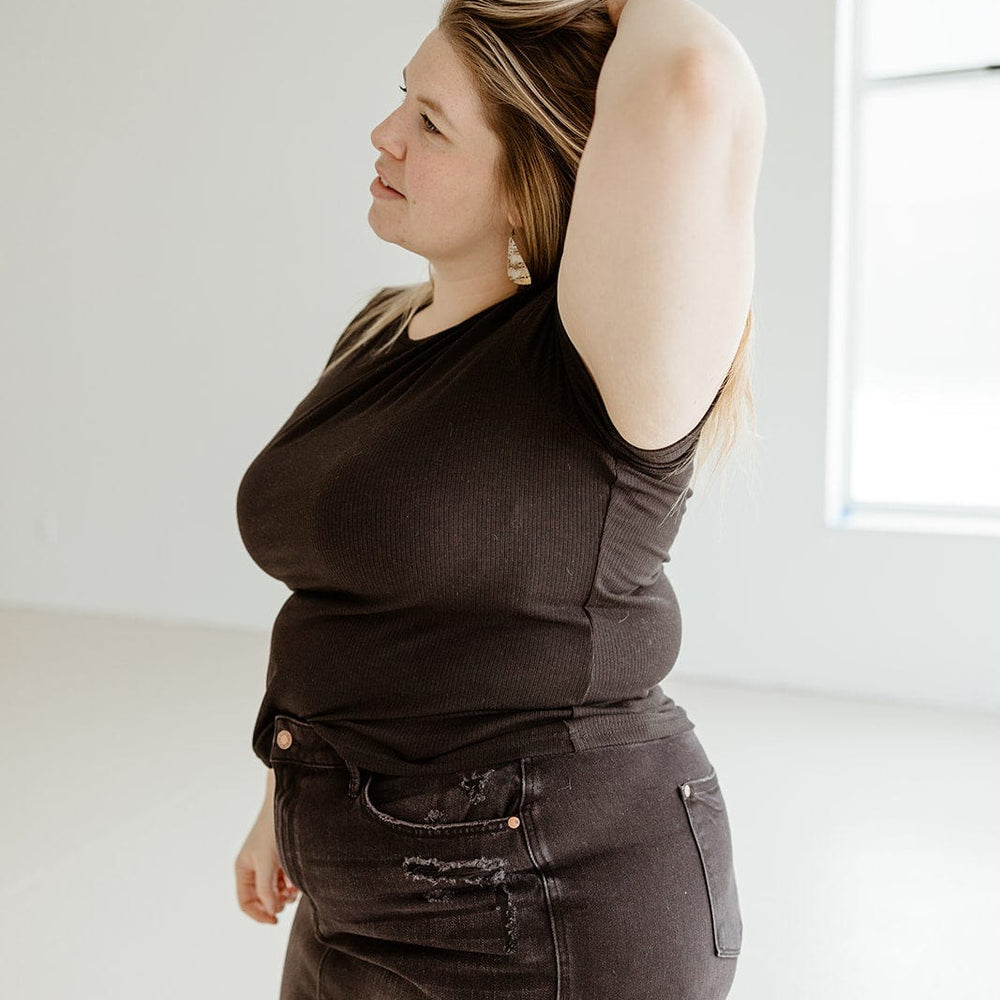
[296, 740]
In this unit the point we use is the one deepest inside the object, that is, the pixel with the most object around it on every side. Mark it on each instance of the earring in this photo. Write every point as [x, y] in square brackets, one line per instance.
[517, 270]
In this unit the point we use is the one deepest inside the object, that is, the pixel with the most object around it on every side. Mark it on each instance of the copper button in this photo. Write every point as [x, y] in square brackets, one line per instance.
[513, 822]
[284, 739]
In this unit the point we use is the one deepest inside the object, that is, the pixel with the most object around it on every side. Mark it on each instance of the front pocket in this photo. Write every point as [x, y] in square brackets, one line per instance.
[706, 812]
[484, 801]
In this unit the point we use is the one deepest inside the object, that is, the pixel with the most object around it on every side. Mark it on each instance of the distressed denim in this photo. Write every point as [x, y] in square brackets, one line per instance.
[602, 874]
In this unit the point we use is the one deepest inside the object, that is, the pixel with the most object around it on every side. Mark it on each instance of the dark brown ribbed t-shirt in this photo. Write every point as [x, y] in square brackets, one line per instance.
[475, 553]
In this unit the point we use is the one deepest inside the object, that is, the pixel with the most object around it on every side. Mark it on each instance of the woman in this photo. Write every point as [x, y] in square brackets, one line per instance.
[475, 785]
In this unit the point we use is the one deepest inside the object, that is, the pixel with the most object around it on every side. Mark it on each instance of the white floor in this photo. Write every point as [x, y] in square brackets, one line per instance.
[866, 835]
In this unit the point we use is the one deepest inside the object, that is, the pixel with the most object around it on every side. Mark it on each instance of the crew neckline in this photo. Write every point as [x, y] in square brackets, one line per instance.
[516, 300]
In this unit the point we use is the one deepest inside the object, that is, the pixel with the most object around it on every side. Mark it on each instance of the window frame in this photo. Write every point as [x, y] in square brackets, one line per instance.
[852, 87]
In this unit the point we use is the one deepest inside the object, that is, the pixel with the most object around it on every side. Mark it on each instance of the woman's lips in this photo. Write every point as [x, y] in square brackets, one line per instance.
[380, 190]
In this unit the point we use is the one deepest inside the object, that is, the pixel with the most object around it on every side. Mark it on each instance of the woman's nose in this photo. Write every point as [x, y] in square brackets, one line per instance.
[383, 135]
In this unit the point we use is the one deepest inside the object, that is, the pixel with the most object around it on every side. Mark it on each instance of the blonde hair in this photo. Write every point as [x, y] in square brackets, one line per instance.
[536, 64]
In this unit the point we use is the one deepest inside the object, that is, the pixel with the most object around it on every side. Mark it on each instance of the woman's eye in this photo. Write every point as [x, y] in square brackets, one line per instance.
[430, 126]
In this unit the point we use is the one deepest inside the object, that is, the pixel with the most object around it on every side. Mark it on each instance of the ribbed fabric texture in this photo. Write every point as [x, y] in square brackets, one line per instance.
[475, 554]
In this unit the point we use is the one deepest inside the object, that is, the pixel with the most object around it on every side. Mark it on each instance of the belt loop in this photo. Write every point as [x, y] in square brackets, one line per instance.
[354, 788]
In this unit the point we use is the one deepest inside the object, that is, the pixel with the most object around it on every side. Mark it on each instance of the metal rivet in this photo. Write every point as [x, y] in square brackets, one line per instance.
[686, 791]
[513, 822]
[284, 739]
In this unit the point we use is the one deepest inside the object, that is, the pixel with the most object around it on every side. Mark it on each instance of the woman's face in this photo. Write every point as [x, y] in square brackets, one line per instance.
[441, 160]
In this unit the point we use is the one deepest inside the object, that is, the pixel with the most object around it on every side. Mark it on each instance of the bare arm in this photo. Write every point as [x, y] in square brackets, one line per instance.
[655, 283]
[656, 31]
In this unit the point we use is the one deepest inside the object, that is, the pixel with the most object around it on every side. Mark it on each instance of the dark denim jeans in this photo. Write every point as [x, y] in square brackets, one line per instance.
[604, 874]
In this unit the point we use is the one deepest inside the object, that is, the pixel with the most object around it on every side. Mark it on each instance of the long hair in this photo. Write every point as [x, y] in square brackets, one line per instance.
[536, 64]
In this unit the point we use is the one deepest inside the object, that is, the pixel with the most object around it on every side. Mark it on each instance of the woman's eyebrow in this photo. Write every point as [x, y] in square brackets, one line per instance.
[434, 106]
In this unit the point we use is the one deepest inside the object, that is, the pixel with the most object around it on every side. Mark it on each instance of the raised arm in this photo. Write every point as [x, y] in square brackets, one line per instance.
[656, 276]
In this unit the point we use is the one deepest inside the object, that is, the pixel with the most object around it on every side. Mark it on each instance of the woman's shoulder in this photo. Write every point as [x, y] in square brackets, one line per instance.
[360, 322]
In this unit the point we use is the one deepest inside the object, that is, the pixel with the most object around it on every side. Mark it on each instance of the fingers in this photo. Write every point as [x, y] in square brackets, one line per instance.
[248, 897]
[285, 887]
[262, 887]
[262, 890]
[267, 891]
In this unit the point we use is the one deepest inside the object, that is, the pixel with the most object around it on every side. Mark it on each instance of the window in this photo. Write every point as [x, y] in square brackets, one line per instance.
[914, 385]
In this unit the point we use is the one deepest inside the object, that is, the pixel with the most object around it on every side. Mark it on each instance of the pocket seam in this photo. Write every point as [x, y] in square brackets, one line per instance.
[714, 904]
[388, 821]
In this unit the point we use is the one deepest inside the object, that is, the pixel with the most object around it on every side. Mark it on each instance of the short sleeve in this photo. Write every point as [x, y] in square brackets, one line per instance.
[590, 404]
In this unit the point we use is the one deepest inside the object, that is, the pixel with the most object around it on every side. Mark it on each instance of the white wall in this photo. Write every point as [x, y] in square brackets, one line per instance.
[185, 198]
[185, 192]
